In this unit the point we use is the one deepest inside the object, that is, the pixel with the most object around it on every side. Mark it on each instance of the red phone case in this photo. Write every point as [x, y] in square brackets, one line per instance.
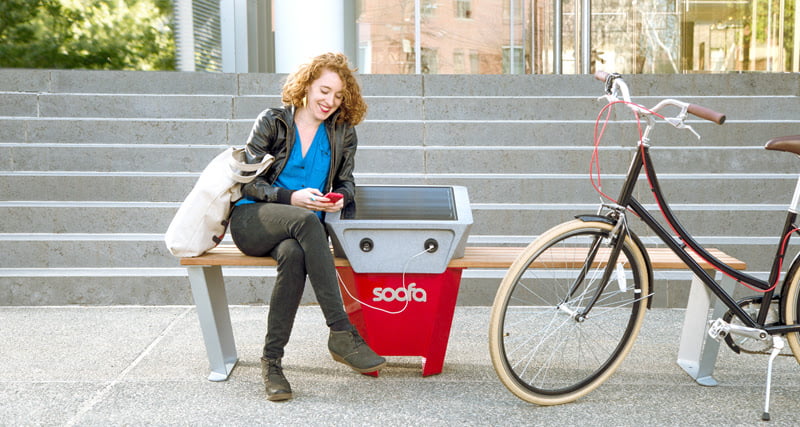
[333, 197]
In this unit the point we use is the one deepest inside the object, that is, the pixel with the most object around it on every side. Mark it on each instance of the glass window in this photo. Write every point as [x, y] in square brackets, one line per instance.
[641, 39]
[517, 67]
[459, 66]
[428, 8]
[464, 9]
[694, 36]
[627, 36]
[430, 61]
[386, 29]
[740, 36]
[474, 62]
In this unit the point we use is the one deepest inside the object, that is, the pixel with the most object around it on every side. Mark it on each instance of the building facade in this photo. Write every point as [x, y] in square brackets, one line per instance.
[502, 36]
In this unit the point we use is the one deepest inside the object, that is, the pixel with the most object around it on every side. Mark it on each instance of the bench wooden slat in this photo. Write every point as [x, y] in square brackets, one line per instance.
[474, 257]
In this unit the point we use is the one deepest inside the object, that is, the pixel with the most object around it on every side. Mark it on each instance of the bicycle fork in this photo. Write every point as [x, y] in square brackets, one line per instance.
[719, 329]
[616, 239]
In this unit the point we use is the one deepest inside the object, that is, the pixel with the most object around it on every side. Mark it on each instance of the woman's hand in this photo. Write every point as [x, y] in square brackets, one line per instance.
[312, 199]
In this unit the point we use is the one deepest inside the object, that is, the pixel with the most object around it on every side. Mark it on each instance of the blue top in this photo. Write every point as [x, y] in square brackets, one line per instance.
[301, 172]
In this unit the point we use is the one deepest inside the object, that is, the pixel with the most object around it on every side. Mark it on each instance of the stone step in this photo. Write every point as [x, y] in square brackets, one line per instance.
[159, 106]
[700, 220]
[217, 132]
[581, 133]
[86, 254]
[152, 82]
[406, 159]
[612, 160]
[166, 83]
[662, 85]
[453, 107]
[119, 131]
[483, 188]
[677, 188]
[102, 158]
[170, 158]
[176, 131]
[488, 219]
[546, 108]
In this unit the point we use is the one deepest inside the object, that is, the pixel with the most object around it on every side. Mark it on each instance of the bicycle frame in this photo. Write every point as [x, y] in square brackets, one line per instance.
[642, 160]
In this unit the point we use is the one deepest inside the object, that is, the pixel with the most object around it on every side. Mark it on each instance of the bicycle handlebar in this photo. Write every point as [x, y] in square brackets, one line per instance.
[601, 75]
[706, 113]
[615, 81]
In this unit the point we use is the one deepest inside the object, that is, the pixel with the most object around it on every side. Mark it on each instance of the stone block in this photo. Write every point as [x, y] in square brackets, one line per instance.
[18, 104]
[23, 80]
[144, 82]
[136, 106]
[121, 131]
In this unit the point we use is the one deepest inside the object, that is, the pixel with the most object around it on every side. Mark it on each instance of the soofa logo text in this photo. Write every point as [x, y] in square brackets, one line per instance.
[411, 292]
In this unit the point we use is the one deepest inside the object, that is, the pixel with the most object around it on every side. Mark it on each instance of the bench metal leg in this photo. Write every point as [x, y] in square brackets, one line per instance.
[208, 290]
[697, 354]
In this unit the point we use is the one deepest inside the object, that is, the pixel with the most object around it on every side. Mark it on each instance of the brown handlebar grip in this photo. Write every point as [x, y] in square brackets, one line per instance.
[706, 113]
[601, 75]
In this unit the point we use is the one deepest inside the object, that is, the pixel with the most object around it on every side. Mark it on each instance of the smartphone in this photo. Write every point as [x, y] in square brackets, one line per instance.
[333, 197]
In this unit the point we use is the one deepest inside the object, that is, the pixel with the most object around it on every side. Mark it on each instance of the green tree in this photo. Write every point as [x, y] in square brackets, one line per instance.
[88, 34]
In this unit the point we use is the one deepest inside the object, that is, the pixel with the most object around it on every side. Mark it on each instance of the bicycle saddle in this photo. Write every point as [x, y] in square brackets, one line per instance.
[790, 144]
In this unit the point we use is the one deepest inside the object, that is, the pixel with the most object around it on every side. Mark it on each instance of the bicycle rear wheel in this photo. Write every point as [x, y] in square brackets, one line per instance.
[542, 352]
[791, 310]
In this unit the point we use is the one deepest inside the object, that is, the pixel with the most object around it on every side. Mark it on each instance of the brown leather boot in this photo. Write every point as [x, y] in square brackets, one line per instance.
[349, 348]
[275, 383]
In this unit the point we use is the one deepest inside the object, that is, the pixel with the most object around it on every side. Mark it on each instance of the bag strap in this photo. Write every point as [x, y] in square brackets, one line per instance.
[252, 170]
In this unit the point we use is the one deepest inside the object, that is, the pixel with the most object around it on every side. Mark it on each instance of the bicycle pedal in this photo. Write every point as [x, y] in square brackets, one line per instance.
[719, 329]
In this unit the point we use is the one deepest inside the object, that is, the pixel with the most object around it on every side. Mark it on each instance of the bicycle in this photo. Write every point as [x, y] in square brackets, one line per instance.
[571, 306]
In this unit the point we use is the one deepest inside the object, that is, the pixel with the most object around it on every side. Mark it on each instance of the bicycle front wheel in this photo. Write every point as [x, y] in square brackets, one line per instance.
[542, 349]
[791, 311]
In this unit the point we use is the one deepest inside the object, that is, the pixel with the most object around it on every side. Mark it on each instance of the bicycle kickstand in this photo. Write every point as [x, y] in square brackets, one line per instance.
[777, 346]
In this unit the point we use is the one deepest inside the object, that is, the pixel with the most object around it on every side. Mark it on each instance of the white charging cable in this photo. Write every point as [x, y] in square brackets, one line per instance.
[403, 284]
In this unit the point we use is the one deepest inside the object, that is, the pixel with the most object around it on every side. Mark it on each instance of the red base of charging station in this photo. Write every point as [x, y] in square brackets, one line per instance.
[403, 316]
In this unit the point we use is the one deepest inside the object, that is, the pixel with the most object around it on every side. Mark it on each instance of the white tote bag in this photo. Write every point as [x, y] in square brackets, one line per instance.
[202, 219]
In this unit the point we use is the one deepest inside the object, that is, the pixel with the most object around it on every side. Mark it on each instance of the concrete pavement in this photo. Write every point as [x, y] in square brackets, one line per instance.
[146, 365]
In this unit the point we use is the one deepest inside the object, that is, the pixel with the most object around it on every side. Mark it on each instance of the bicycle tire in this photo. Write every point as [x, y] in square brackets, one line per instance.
[542, 355]
[791, 311]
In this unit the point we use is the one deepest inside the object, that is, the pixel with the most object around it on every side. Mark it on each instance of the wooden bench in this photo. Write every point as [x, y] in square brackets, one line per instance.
[697, 353]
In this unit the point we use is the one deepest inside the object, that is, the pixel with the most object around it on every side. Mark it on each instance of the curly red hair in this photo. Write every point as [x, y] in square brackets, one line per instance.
[353, 108]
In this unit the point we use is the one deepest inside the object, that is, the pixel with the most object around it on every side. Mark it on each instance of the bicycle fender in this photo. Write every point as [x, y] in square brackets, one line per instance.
[640, 245]
[598, 218]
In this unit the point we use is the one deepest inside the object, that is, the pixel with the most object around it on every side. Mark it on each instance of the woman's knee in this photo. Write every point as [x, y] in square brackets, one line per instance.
[309, 220]
[289, 252]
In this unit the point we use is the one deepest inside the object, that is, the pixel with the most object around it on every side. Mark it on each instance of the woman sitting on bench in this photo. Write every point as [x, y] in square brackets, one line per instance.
[313, 140]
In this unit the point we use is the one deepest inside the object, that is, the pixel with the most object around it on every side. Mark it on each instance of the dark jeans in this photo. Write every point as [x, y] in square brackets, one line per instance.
[296, 238]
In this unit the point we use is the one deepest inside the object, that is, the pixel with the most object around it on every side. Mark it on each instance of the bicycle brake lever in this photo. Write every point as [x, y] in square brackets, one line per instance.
[690, 130]
[608, 98]
[679, 124]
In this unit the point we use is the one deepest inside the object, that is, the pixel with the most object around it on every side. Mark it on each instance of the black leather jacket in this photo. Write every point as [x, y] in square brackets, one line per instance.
[274, 133]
